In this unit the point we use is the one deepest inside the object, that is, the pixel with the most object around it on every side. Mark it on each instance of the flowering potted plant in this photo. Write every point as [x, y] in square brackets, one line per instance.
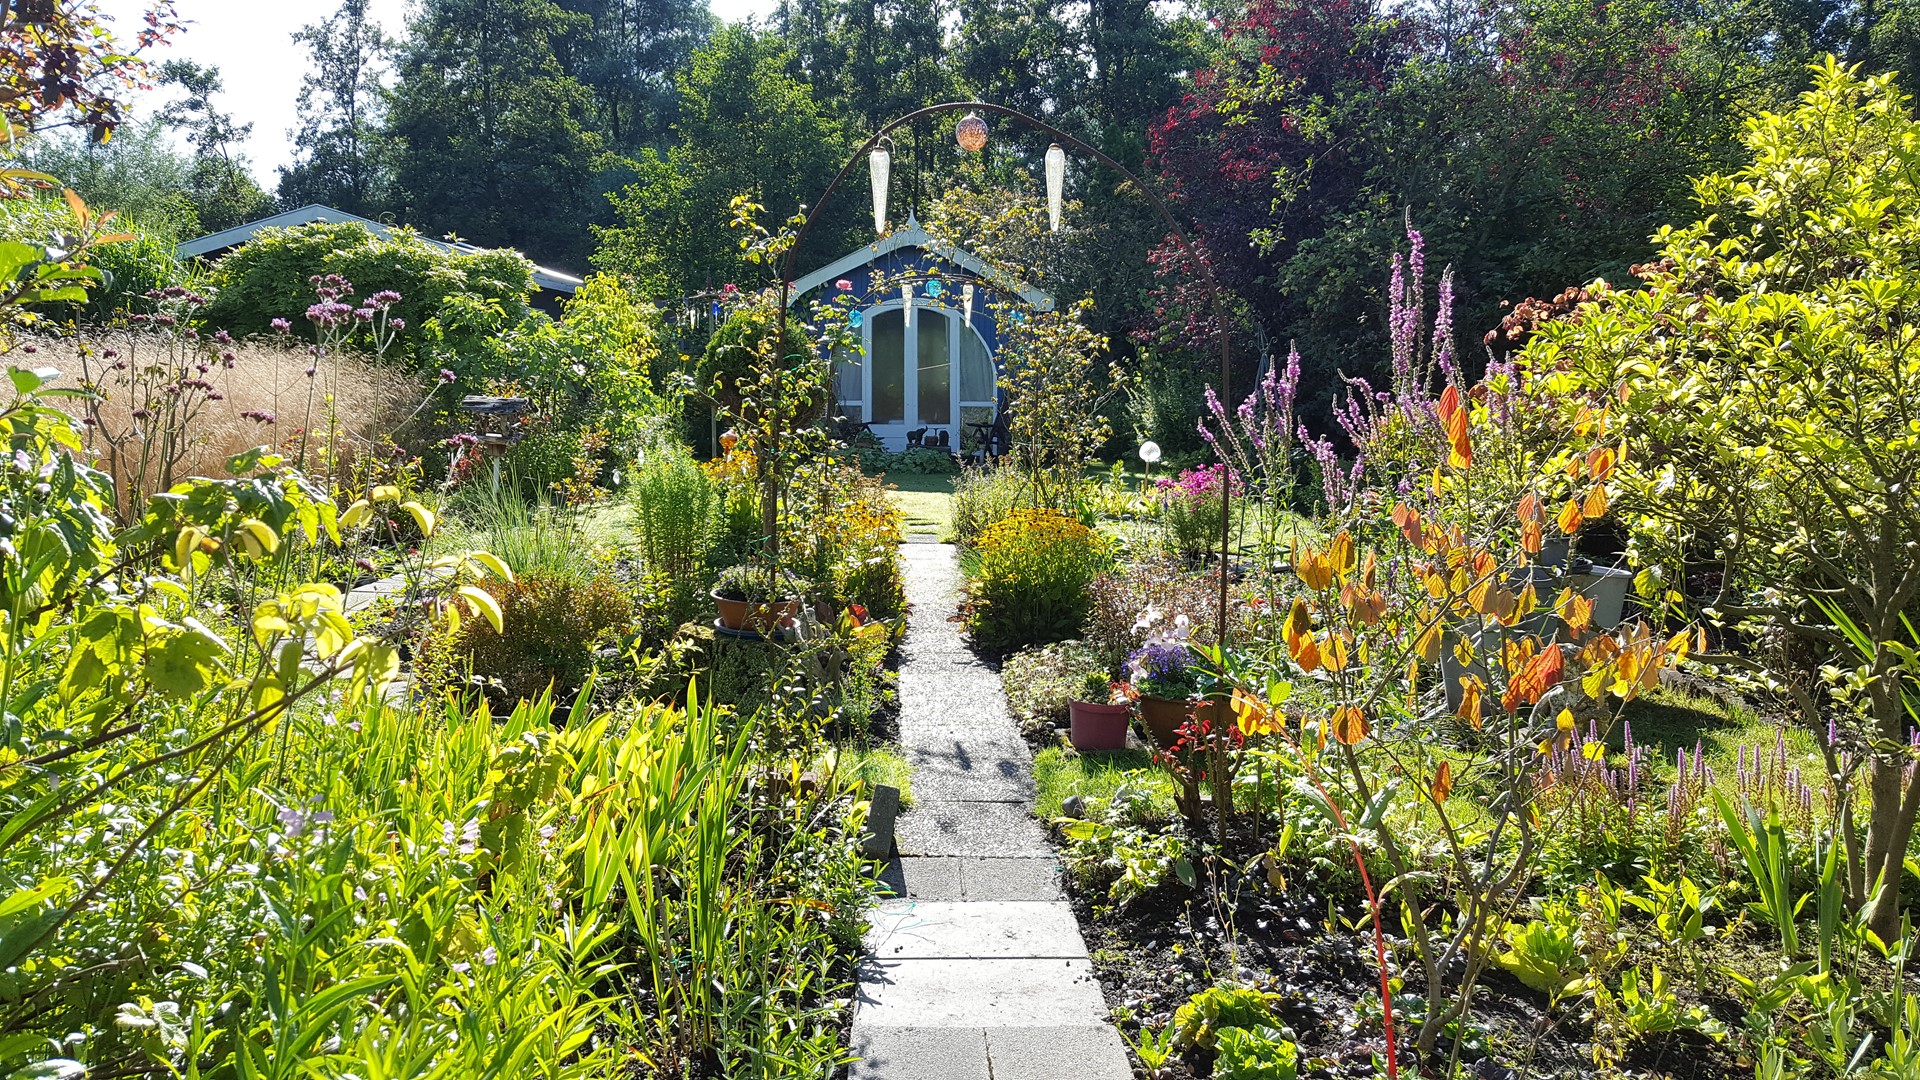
[753, 598]
[1098, 717]
[1162, 673]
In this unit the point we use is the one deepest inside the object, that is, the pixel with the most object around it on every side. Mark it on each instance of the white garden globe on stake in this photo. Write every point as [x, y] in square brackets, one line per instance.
[1150, 454]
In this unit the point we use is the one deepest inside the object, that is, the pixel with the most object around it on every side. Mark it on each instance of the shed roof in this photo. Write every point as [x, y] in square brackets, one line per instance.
[914, 236]
[307, 215]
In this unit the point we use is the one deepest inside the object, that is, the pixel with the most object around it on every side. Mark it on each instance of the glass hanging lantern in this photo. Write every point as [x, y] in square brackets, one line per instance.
[934, 288]
[906, 305]
[1056, 181]
[880, 169]
[966, 300]
[971, 133]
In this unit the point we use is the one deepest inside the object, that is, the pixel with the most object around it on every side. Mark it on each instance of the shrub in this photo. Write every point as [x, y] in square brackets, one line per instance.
[554, 624]
[1191, 509]
[730, 355]
[134, 266]
[1767, 365]
[1030, 575]
[984, 495]
[450, 302]
[674, 507]
[1118, 600]
[1042, 681]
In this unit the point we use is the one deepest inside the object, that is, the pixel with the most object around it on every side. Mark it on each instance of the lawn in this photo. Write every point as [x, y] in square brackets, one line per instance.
[926, 501]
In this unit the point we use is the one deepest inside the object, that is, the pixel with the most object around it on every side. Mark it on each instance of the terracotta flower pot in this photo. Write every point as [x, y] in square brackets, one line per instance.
[1164, 717]
[1095, 726]
[760, 618]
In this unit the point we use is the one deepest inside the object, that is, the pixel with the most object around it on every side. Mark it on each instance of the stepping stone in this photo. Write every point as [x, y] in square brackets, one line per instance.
[920, 1054]
[1058, 1053]
[978, 993]
[1010, 879]
[947, 878]
[976, 930]
[970, 828]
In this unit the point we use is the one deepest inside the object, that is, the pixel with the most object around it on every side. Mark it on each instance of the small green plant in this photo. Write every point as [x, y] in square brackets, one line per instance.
[1679, 911]
[750, 584]
[1762, 843]
[1128, 860]
[1256, 1053]
[1096, 687]
[1154, 1049]
[1545, 953]
[1201, 1020]
[1653, 1008]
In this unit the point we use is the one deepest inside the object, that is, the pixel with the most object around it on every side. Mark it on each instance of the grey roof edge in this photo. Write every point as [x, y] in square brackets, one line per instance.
[312, 213]
[912, 235]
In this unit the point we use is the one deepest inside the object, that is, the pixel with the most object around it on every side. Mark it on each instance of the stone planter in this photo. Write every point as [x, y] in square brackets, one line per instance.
[759, 618]
[1098, 726]
[1607, 588]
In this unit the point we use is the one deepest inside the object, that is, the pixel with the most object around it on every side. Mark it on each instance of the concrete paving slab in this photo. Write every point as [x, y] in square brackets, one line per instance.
[1053, 1053]
[959, 930]
[920, 1054]
[970, 828]
[926, 879]
[977, 993]
[1010, 879]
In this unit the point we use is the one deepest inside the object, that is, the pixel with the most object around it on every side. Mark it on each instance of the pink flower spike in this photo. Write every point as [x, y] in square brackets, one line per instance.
[843, 285]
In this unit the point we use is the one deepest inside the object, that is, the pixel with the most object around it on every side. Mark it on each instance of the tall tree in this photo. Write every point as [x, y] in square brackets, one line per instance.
[747, 127]
[222, 186]
[628, 57]
[493, 138]
[340, 155]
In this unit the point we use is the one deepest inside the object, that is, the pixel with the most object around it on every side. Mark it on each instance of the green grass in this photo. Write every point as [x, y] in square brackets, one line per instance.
[1668, 720]
[876, 765]
[926, 502]
[1059, 772]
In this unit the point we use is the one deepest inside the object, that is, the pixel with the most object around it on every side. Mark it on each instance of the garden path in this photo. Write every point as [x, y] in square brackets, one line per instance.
[976, 970]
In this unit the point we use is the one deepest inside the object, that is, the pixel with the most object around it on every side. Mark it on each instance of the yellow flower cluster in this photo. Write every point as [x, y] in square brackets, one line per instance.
[1032, 529]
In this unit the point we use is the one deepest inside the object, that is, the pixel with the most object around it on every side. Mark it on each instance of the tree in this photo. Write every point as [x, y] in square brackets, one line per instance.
[340, 154]
[224, 192]
[1769, 366]
[140, 173]
[629, 58]
[492, 139]
[61, 63]
[746, 126]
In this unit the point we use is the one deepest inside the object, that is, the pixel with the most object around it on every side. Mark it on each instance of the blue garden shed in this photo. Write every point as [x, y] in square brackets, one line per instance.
[929, 375]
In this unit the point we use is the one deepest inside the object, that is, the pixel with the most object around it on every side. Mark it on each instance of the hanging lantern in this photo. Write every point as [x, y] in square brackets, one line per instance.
[971, 133]
[906, 304]
[1056, 180]
[934, 288]
[856, 318]
[966, 300]
[880, 168]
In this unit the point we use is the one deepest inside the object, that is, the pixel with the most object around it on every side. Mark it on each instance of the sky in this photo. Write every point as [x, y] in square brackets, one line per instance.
[251, 41]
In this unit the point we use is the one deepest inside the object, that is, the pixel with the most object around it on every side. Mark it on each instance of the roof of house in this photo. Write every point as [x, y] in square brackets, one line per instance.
[913, 236]
[306, 215]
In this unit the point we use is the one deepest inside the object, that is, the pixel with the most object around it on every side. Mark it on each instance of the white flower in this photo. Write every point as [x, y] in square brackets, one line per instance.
[1147, 618]
[1150, 452]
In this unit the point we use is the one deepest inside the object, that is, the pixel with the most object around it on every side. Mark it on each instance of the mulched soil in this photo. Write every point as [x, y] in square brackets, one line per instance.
[1157, 952]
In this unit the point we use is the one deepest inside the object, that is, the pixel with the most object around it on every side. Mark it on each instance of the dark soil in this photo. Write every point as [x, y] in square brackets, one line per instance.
[1301, 944]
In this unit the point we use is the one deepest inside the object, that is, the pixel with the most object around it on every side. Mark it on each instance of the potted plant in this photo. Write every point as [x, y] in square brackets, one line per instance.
[1097, 719]
[1164, 677]
[752, 598]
